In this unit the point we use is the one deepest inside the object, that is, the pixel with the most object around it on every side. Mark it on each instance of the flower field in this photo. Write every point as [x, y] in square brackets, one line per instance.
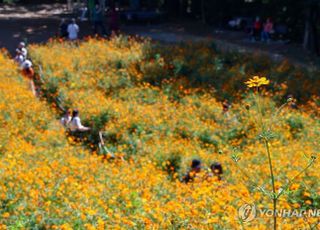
[158, 108]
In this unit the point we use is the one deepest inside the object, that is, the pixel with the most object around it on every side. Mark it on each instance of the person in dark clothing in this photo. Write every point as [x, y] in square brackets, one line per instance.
[195, 169]
[216, 170]
[225, 106]
[257, 28]
[98, 16]
[113, 20]
[292, 102]
[63, 28]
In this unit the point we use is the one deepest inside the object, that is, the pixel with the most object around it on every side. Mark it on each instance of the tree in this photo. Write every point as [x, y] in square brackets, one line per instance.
[70, 5]
[311, 38]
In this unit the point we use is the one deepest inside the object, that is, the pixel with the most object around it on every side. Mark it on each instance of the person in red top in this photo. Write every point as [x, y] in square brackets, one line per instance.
[267, 30]
[257, 27]
[28, 72]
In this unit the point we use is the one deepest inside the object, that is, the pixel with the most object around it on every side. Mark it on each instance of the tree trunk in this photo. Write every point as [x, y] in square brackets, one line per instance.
[306, 31]
[102, 4]
[203, 12]
[134, 4]
[311, 39]
[70, 5]
[181, 8]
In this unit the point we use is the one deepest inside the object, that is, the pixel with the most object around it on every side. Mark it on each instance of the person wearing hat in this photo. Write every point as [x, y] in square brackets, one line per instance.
[22, 49]
[28, 72]
[19, 58]
[27, 69]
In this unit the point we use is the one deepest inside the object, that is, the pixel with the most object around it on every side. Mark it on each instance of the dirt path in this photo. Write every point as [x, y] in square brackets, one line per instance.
[38, 23]
[226, 40]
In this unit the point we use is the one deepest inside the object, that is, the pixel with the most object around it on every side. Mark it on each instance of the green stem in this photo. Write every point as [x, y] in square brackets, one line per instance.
[258, 103]
[274, 197]
[276, 114]
[247, 176]
[292, 180]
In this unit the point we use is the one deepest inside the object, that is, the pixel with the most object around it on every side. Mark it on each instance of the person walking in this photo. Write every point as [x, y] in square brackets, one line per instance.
[256, 30]
[23, 50]
[98, 16]
[28, 72]
[267, 30]
[19, 58]
[73, 30]
[113, 20]
[63, 28]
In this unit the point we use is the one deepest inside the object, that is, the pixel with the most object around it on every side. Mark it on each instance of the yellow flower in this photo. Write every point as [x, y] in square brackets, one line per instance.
[308, 202]
[294, 186]
[306, 194]
[257, 81]
[5, 215]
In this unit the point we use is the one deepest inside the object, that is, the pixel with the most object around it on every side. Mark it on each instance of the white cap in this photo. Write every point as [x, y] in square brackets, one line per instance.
[26, 64]
[22, 44]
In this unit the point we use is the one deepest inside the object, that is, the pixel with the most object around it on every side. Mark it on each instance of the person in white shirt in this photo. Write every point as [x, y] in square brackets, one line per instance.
[66, 119]
[73, 30]
[23, 50]
[19, 58]
[75, 123]
[21, 53]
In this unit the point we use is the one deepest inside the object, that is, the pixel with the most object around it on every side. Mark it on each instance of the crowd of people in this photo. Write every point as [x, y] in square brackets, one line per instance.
[72, 121]
[69, 29]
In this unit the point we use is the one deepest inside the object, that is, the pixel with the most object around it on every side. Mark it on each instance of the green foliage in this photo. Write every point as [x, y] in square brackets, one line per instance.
[171, 163]
[296, 125]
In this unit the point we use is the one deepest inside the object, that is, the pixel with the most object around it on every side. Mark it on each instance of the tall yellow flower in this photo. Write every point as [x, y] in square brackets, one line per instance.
[257, 81]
